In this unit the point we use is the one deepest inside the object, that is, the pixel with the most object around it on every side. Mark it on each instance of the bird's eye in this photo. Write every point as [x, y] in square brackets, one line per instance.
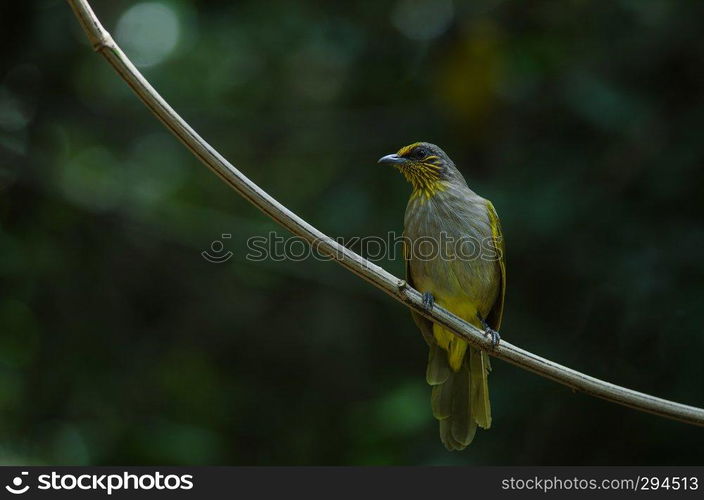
[419, 154]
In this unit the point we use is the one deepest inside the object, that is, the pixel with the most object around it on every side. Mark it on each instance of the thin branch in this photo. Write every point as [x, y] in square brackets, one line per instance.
[104, 44]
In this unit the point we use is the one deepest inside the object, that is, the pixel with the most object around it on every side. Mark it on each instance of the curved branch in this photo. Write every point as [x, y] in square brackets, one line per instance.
[104, 44]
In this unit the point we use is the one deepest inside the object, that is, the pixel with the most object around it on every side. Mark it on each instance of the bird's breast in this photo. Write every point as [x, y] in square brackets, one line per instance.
[448, 238]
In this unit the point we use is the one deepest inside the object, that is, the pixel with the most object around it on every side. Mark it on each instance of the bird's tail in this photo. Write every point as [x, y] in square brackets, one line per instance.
[460, 398]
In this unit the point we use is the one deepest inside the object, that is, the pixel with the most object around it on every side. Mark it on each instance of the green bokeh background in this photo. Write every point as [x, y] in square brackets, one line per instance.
[120, 343]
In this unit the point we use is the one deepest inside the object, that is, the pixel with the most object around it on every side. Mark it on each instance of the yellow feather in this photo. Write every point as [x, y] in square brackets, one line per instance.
[454, 346]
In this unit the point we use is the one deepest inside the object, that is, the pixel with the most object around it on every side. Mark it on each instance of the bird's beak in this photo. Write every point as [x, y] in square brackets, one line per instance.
[393, 159]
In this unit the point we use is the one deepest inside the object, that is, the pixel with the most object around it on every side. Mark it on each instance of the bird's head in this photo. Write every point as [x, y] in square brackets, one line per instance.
[424, 165]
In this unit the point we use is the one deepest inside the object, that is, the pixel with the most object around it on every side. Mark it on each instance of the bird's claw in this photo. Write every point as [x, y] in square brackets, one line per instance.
[494, 335]
[428, 301]
[490, 332]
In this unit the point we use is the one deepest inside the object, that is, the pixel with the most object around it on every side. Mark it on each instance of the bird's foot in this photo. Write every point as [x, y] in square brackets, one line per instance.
[428, 301]
[490, 332]
[495, 337]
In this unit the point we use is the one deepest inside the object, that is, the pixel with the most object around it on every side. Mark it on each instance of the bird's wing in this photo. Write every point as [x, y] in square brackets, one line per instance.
[497, 310]
[424, 325]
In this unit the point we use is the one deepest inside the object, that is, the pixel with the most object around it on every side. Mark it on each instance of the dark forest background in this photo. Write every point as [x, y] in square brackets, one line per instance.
[120, 343]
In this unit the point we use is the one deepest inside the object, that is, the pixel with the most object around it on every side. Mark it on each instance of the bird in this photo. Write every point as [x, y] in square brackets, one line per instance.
[442, 210]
